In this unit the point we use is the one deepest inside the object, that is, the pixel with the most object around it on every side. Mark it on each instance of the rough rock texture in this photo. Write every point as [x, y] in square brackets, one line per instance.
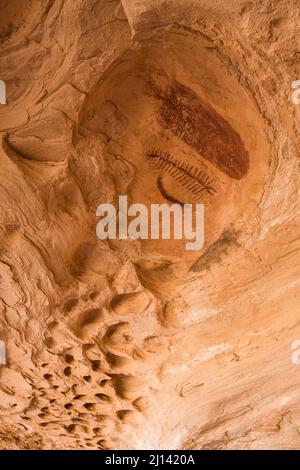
[129, 344]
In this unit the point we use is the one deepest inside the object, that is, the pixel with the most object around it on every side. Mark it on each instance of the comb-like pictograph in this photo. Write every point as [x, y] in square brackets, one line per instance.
[193, 181]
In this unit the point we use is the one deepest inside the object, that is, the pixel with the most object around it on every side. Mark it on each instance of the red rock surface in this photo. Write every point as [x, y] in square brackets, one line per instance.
[141, 345]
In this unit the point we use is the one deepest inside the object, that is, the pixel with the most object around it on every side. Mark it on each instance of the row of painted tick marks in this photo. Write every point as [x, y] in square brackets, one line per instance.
[194, 181]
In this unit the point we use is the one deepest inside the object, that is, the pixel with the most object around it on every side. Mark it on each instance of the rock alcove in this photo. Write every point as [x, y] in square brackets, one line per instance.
[129, 344]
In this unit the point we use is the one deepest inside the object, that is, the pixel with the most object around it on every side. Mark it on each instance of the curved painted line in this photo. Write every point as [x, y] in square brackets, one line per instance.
[164, 193]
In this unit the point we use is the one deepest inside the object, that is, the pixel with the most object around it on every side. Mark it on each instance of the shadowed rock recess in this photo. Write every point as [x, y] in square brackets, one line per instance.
[141, 344]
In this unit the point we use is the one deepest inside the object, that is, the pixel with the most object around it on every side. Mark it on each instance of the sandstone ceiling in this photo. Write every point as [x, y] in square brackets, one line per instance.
[141, 344]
